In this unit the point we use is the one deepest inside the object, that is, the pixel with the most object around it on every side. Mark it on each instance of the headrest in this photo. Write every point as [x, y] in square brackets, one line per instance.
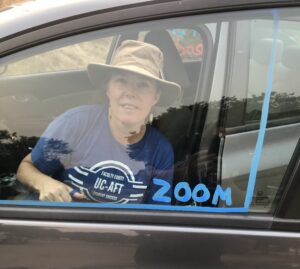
[262, 49]
[291, 57]
[174, 69]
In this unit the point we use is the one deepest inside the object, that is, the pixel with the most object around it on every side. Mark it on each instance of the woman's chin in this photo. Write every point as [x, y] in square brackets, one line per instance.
[130, 119]
[130, 122]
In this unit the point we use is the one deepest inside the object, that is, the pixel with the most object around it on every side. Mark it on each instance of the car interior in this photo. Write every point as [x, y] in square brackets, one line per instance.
[38, 98]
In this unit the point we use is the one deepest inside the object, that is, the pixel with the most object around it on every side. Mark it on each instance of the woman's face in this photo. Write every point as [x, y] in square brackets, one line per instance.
[131, 98]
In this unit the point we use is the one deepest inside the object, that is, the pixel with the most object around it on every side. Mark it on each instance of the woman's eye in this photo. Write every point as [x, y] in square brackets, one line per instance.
[143, 85]
[121, 80]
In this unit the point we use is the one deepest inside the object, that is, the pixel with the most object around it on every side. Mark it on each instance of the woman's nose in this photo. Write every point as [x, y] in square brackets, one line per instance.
[130, 90]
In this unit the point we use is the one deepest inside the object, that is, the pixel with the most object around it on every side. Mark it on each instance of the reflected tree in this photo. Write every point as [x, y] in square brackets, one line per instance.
[13, 149]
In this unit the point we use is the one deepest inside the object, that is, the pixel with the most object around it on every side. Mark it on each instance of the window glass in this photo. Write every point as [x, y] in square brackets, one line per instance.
[188, 42]
[150, 126]
[285, 99]
[264, 74]
[47, 102]
[72, 57]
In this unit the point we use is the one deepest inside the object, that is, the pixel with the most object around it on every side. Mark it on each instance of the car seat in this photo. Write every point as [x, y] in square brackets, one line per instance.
[175, 121]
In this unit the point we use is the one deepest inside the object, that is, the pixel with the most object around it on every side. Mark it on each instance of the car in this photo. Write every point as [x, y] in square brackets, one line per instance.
[234, 131]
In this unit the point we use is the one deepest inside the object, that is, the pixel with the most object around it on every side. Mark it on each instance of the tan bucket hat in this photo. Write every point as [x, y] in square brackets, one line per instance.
[140, 58]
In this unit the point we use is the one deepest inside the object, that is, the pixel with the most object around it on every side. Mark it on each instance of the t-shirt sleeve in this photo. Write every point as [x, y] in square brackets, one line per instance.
[54, 148]
[161, 185]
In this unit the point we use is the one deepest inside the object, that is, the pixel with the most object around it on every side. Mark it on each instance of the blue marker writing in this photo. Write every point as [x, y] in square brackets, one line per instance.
[183, 193]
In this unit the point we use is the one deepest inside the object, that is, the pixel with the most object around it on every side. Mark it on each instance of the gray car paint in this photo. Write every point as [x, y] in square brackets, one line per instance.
[34, 13]
[279, 145]
[34, 244]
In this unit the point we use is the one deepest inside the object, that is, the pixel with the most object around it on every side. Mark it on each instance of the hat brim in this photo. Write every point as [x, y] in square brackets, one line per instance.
[100, 73]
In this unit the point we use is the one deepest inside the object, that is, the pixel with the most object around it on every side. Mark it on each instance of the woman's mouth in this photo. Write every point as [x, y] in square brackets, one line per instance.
[129, 106]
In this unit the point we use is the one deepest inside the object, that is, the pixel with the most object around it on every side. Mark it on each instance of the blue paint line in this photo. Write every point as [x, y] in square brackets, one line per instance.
[264, 114]
[126, 206]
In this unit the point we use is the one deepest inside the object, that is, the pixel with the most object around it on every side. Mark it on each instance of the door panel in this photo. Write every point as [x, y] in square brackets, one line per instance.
[85, 246]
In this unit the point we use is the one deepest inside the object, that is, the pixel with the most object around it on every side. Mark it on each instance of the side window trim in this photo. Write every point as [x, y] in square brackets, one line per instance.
[288, 207]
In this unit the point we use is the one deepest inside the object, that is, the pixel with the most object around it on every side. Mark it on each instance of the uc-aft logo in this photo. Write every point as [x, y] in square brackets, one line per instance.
[107, 181]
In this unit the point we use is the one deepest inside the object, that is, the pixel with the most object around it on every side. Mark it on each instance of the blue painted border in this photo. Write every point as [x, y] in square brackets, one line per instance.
[264, 114]
[253, 170]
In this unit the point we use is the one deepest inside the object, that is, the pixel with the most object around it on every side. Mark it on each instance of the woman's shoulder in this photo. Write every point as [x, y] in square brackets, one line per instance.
[158, 137]
[82, 112]
[161, 148]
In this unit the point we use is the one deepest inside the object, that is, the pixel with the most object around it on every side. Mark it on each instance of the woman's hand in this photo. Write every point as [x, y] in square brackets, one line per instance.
[54, 191]
[49, 189]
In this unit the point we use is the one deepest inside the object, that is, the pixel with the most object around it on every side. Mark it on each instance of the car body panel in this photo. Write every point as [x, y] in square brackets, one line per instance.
[79, 245]
[139, 11]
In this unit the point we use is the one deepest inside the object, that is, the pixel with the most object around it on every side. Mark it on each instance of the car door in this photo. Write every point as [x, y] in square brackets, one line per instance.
[235, 190]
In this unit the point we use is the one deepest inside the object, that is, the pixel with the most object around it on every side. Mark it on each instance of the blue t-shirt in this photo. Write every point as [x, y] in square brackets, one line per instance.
[78, 149]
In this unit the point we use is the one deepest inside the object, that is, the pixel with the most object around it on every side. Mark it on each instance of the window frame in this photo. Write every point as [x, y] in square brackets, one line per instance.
[289, 206]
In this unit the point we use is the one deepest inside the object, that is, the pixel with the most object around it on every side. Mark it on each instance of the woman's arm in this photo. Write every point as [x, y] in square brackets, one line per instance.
[49, 189]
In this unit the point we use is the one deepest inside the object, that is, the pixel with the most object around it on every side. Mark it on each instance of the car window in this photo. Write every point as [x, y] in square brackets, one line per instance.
[263, 64]
[72, 57]
[195, 149]
[187, 41]
[255, 61]
[284, 103]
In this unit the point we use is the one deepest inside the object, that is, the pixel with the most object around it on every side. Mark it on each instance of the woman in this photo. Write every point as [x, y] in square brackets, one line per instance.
[108, 153]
